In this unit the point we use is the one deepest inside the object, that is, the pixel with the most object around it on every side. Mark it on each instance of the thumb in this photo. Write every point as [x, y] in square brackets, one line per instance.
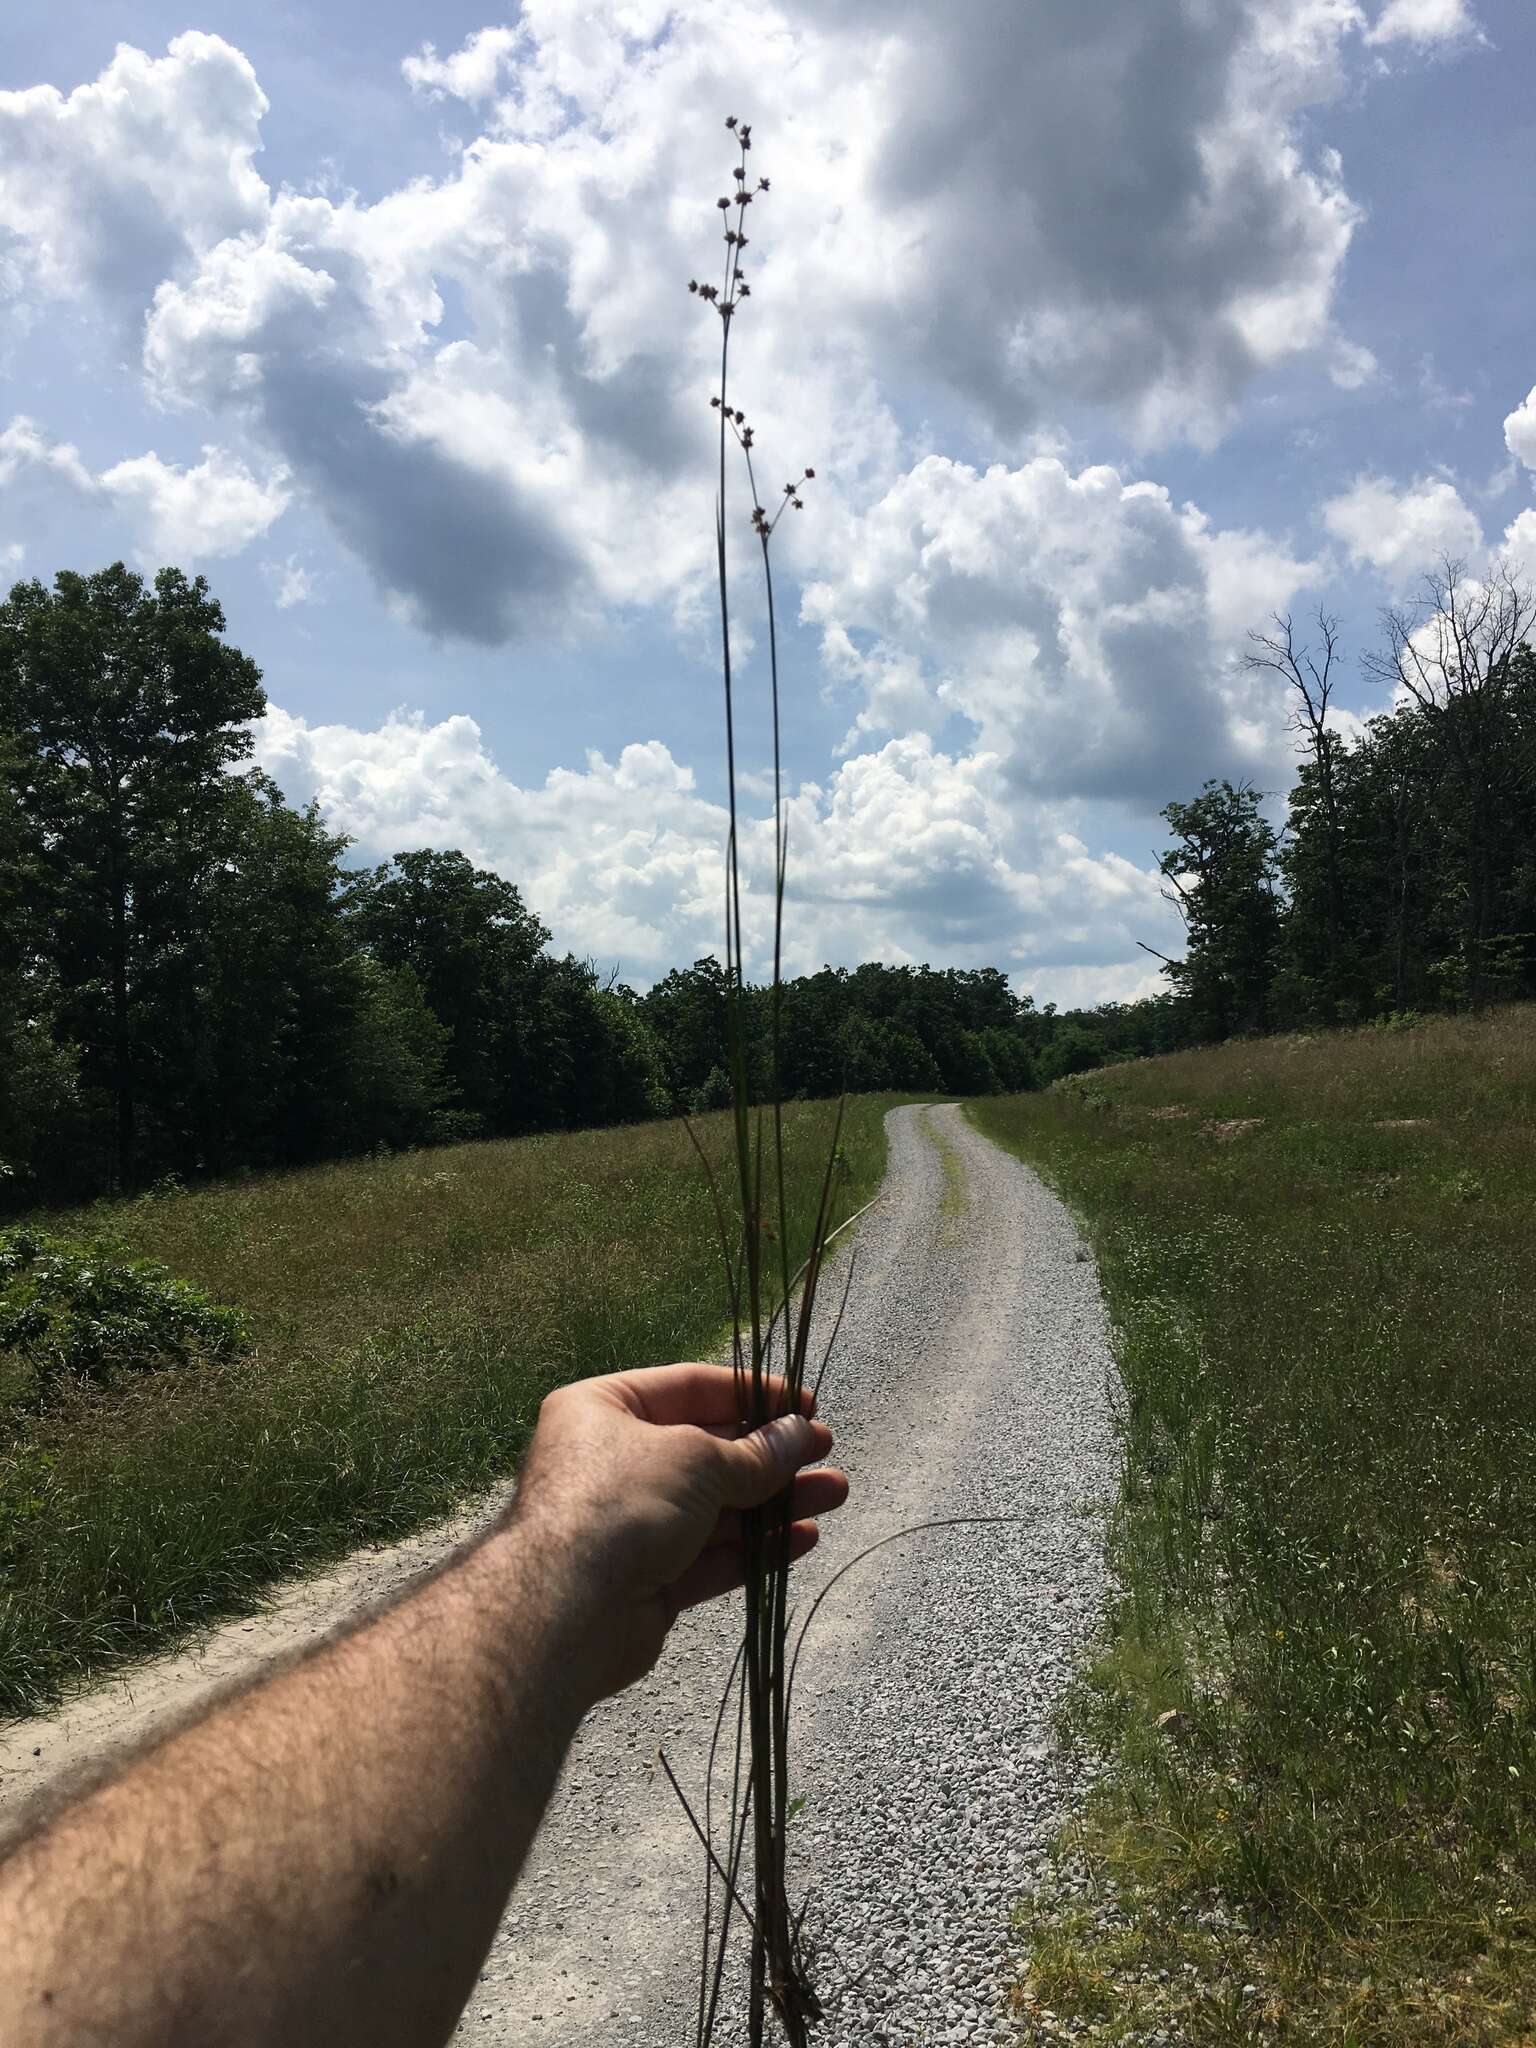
[758, 1466]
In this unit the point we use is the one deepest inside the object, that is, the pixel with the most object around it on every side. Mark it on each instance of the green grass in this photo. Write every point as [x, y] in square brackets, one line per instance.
[409, 1313]
[1319, 1257]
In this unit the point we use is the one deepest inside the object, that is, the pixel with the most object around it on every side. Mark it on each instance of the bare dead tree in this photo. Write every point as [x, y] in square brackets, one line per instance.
[1449, 653]
[1309, 671]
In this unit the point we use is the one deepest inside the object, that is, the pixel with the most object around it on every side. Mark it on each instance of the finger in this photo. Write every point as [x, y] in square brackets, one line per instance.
[725, 1570]
[703, 1394]
[756, 1467]
[817, 1492]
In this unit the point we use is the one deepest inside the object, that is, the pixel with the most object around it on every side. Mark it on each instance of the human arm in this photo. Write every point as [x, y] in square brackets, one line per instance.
[325, 1856]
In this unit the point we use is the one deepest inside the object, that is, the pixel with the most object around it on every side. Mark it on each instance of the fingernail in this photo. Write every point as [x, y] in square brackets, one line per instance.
[789, 1438]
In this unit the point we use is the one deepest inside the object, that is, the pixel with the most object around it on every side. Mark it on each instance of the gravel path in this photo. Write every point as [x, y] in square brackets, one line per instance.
[971, 1378]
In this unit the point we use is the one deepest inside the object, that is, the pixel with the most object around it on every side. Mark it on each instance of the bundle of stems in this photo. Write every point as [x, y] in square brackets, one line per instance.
[772, 1307]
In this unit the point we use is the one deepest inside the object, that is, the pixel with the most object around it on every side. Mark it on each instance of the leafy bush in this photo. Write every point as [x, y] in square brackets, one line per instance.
[82, 1314]
[1396, 1020]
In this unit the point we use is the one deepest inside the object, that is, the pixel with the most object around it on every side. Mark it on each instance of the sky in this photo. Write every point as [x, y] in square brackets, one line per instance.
[1108, 330]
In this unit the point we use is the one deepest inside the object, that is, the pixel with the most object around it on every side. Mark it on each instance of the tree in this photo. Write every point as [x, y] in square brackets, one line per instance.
[1222, 881]
[125, 708]
[1317, 941]
[1454, 655]
[475, 947]
[686, 1010]
[44, 1128]
[279, 1039]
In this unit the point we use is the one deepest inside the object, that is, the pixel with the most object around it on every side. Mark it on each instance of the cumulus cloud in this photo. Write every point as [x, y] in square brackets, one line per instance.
[216, 507]
[1520, 432]
[1031, 209]
[1423, 22]
[473, 71]
[25, 448]
[1403, 532]
[1086, 627]
[111, 187]
[907, 853]
[1518, 547]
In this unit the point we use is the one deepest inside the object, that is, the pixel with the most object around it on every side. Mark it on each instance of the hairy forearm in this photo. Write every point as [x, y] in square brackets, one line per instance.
[324, 1858]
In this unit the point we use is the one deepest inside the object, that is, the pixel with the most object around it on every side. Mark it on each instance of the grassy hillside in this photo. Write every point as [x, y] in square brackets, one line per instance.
[408, 1314]
[1317, 1687]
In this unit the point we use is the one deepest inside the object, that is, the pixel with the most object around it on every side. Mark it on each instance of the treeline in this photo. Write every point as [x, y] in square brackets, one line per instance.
[1404, 878]
[194, 982]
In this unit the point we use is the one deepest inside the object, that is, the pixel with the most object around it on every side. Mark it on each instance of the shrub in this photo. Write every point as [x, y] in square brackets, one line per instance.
[82, 1314]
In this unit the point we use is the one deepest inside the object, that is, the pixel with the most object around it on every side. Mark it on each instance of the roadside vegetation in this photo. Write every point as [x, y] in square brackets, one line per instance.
[1315, 1692]
[399, 1319]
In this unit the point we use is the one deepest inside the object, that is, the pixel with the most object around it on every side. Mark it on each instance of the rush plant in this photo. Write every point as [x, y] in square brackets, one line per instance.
[772, 1307]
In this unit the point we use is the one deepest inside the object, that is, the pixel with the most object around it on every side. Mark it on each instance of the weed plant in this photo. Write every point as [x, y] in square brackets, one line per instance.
[406, 1315]
[772, 1295]
[1317, 1685]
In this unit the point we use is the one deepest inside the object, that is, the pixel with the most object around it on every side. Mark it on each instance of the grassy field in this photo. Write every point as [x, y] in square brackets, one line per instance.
[408, 1314]
[1316, 1691]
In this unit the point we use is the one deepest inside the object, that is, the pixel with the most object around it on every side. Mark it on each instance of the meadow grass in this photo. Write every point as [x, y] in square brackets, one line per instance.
[1316, 1686]
[409, 1313]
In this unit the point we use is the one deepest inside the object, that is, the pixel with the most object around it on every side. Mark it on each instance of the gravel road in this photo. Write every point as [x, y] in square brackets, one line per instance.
[972, 1377]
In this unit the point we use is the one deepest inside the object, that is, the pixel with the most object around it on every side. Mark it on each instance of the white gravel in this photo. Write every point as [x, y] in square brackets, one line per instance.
[972, 1378]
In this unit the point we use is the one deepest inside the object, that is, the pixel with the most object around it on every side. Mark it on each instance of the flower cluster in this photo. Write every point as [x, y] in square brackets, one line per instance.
[725, 298]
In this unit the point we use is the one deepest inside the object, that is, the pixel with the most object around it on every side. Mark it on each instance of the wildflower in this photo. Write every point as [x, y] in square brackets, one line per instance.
[722, 204]
[1279, 1635]
[762, 184]
[745, 292]
[730, 120]
[693, 284]
[810, 472]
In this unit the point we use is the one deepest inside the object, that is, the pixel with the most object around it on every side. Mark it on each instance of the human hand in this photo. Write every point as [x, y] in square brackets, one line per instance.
[635, 1486]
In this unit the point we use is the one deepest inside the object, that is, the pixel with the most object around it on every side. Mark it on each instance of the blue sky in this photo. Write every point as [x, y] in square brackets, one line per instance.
[1108, 332]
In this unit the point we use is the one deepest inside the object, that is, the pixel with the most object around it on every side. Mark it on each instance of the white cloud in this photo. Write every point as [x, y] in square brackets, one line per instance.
[906, 854]
[109, 189]
[1353, 366]
[24, 447]
[1520, 432]
[1423, 22]
[472, 73]
[1030, 209]
[214, 508]
[217, 507]
[1086, 627]
[291, 582]
[1518, 547]
[1403, 532]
